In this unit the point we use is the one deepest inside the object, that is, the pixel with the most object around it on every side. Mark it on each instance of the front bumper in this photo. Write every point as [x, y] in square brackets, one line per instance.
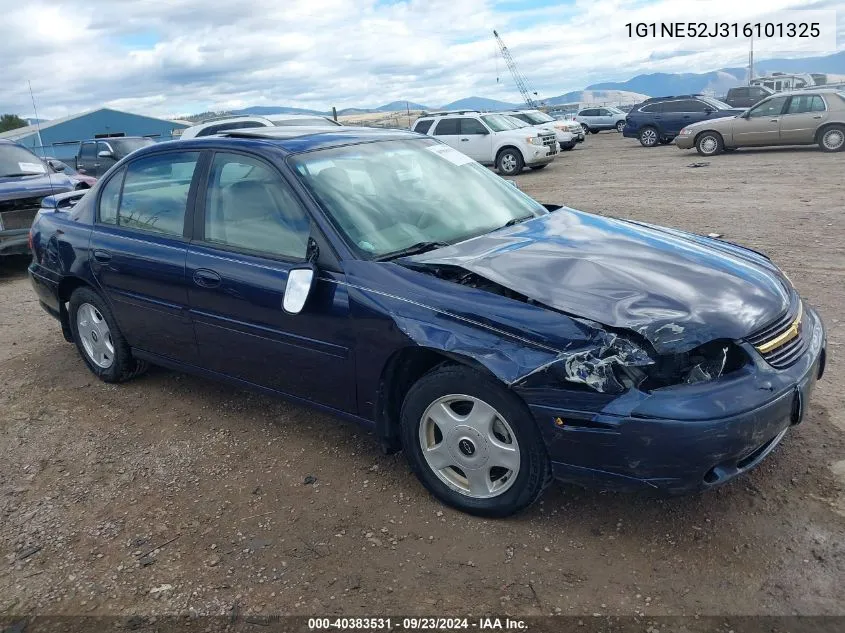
[686, 141]
[693, 447]
[539, 155]
[14, 242]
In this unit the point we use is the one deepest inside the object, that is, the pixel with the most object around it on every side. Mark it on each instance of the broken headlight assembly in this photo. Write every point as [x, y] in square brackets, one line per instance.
[701, 364]
[615, 364]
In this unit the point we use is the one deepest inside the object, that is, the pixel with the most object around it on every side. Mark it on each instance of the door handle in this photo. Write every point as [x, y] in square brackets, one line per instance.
[773, 120]
[818, 117]
[464, 139]
[102, 256]
[206, 278]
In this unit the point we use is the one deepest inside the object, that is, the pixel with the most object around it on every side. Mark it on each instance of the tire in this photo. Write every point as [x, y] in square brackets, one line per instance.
[620, 125]
[709, 143]
[508, 434]
[832, 138]
[596, 131]
[586, 128]
[537, 167]
[509, 162]
[101, 344]
[567, 148]
[648, 136]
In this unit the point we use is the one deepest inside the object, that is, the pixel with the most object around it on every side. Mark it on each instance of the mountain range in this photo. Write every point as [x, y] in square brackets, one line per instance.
[620, 92]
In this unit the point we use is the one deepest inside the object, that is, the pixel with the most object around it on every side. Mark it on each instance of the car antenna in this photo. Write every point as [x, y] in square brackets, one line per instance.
[41, 142]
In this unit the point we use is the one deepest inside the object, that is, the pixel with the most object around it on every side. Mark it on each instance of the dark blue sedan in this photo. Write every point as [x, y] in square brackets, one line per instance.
[387, 278]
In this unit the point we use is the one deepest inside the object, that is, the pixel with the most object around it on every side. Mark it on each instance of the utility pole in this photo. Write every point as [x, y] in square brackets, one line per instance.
[751, 61]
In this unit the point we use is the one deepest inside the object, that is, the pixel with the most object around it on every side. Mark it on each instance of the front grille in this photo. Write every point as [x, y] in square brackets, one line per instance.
[550, 141]
[783, 341]
[19, 214]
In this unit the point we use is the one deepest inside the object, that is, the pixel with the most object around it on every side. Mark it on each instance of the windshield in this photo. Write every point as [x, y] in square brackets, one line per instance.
[388, 196]
[719, 105]
[305, 122]
[125, 146]
[538, 117]
[519, 123]
[17, 161]
[499, 122]
[614, 110]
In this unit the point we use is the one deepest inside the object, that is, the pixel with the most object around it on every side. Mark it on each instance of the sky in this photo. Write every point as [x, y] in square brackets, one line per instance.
[172, 57]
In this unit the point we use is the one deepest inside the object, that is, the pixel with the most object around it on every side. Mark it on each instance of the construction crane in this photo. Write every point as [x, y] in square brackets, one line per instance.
[518, 77]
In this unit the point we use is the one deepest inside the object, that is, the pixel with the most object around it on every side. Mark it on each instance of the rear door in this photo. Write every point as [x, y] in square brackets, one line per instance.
[86, 158]
[449, 131]
[476, 140]
[138, 249]
[251, 230]
[801, 118]
[762, 124]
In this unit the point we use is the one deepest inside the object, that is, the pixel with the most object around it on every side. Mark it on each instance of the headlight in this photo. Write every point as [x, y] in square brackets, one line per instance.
[685, 132]
[535, 140]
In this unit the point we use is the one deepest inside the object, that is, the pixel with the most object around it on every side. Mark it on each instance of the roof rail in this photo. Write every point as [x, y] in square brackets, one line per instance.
[223, 117]
[445, 112]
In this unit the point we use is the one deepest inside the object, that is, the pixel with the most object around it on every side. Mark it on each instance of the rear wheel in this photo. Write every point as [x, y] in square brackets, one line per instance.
[472, 443]
[709, 143]
[509, 162]
[832, 139]
[620, 125]
[648, 137]
[99, 340]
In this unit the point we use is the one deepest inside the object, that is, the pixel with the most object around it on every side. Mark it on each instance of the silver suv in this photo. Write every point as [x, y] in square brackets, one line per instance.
[596, 119]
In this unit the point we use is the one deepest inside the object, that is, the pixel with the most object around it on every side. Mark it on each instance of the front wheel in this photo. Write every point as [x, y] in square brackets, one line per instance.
[99, 340]
[586, 128]
[620, 125]
[509, 162]
[832, 139]
[472, 443]
[709, 143]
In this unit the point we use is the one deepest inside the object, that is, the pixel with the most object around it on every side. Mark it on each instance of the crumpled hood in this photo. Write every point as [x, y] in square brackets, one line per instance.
[678, 290]
[35, 185]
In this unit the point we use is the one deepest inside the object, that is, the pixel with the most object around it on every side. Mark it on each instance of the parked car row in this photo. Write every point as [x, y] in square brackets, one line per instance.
[387, 278]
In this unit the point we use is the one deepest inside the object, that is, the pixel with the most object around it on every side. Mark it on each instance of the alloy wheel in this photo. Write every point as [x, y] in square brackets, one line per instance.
[648, 137]
[95, 335]
[709, 145]
[833, 139]
[469, 446]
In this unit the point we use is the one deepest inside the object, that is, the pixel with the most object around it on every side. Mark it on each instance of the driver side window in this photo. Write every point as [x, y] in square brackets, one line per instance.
[250, 207]
[773, 107]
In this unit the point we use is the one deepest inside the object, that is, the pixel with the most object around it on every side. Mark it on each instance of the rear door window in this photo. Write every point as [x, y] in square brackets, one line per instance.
[472, 126]
[154, 195]
[447, 127]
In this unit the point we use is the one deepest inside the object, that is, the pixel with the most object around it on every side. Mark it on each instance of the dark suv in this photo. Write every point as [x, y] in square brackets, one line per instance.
[658, 120]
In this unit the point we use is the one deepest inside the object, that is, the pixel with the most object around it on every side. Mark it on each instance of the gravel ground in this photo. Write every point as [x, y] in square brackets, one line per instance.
[171, 494]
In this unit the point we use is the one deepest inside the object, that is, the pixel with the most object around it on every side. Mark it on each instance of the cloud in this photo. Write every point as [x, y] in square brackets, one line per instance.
[168, 57]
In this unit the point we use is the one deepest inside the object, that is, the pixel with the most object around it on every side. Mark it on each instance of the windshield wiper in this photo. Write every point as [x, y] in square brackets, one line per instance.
[413, 249]
[513, 221]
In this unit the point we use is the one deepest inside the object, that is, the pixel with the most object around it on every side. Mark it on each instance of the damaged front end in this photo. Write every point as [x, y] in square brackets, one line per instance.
[608, 360]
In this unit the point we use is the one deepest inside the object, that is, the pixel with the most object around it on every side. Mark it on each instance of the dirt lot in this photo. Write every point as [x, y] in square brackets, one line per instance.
[170, 494]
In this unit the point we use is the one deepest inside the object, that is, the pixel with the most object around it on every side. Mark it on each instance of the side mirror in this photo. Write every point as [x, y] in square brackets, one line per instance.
[300, 282]
[709, 110]
[105, 154]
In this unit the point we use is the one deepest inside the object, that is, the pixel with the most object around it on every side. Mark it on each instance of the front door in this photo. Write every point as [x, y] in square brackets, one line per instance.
[105, 159]
[476, 141]
[761, 126]
[251, 231]
[138, 250]
[802, 117]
